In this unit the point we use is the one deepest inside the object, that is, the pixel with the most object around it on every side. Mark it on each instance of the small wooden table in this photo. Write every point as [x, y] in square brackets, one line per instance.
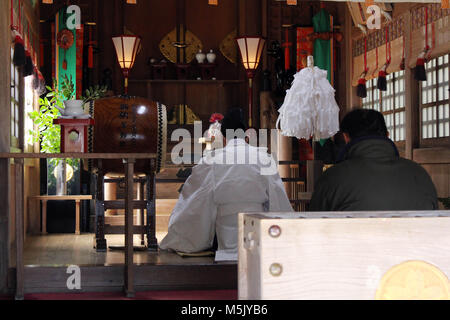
[44, 200]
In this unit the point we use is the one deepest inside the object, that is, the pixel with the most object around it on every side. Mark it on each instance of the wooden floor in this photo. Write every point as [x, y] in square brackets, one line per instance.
[68, 249]
[46, 259]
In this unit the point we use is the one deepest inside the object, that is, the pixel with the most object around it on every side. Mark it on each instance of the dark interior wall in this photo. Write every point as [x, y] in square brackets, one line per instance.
[212, 24]
[281, 15]
[152, 20]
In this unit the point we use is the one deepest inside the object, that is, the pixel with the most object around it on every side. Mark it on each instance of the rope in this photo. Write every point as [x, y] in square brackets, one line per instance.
[13, 27]
[376, 67]
[388, 47]
[427, 47]
[365, 55]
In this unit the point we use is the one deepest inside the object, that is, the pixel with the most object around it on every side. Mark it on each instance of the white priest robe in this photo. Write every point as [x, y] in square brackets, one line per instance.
[237, 178]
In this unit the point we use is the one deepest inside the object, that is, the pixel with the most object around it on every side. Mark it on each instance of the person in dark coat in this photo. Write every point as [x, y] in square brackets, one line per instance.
[371, 176]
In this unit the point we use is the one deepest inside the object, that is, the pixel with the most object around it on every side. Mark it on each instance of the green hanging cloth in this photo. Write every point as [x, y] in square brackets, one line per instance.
[65, 59]
[322, 48]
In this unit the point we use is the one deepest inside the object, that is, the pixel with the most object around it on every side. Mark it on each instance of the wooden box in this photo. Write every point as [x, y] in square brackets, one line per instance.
[74, 134]
[356, 256]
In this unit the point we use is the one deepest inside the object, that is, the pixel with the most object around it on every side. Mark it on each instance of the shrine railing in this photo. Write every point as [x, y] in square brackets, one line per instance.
[129, 160]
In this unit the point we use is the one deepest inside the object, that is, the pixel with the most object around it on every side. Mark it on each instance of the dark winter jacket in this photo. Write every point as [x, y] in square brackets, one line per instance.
[374, 178]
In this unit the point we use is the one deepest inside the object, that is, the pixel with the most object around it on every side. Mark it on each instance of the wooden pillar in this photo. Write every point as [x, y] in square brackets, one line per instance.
[18, 173]
[110, 194]
[314, 169]
[4, 226]
[265, 30]
[285, 154]
[5, 107]
[412, 98]
[352, 100]
[152, 242]
[141, 196]
[44, 217]
[129, 264]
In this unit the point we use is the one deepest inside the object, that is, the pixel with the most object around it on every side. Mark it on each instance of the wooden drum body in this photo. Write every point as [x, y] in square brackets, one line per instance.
[128, 125]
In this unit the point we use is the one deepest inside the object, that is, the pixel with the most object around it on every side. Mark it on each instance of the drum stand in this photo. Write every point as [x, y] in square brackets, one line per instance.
[147, 227]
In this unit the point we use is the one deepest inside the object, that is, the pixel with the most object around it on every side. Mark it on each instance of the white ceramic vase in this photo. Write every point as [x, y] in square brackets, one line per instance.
[73, 108]
[211, 56]
[200, 56]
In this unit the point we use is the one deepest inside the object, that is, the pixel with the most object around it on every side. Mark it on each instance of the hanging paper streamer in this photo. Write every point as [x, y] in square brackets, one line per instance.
[309, 109]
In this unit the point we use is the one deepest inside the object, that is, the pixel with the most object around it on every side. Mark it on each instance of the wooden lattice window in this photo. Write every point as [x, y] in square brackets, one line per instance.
[15, 104]
[434, 103]
[391, 103]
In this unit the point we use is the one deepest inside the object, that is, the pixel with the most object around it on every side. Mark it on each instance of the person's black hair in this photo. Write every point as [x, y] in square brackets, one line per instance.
[233, 120]
[363, 122]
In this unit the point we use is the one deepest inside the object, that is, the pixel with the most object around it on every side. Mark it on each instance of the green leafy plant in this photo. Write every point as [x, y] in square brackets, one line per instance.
[94, 93]
[67, 88]
[47, 133]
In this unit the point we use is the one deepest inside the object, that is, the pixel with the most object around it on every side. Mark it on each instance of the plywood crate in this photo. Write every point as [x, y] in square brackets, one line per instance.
[357, 256]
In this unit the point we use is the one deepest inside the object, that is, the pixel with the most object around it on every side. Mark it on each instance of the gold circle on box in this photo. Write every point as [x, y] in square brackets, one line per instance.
[414, 280]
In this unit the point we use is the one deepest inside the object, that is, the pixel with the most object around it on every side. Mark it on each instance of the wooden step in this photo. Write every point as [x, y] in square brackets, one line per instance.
[120, 229]
[185, 275]
[169, 173]
[120, 204]
[165, 206]
[168, 190]
[162, 221]
[119, 219]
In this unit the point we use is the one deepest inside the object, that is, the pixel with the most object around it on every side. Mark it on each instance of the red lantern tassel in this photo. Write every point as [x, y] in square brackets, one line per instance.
[19, 58]
[419, 71]
[28, 69]
[381, 81]
[361, 90]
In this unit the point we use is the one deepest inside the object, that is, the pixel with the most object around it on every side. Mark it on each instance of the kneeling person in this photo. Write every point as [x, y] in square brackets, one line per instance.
[237, 178]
